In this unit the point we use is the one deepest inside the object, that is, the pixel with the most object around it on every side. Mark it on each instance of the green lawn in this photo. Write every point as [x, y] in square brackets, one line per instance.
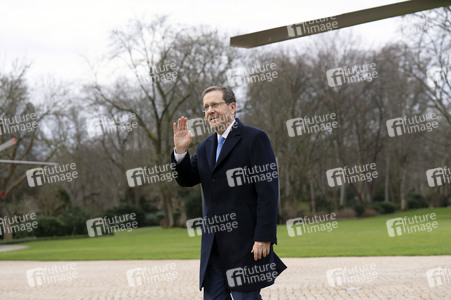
[363, 237]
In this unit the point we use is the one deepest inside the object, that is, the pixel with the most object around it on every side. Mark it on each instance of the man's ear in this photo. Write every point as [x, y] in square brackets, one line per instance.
[233, 106]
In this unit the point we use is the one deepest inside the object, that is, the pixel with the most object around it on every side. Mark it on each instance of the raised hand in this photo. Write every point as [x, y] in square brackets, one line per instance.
[182, 137]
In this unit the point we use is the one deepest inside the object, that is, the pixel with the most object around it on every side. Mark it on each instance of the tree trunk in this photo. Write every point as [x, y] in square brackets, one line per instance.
[137, 197]
[402, 188]
[387, 179]
[368, 194]
[312, 196]
[5, 229]
[168, 210]
[343, 195]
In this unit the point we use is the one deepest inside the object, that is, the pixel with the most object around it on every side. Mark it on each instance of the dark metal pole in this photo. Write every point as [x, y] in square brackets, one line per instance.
[312, 27]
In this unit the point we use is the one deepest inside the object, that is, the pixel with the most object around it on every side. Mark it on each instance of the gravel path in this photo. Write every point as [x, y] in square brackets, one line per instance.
[306, 278]
[4, 248]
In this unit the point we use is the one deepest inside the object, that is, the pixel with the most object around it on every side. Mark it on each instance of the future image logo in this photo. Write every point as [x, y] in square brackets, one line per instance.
[335, 77]
[147, 175]
[408, 125]
[354, 74]
[212, 224]
[251, 275]
[44, 276]
[247, 175]
[308, 125]
[312, 27]
[356, 173]
[438, 276]
[309, 225]
[410, 225]
[438, 176]
[18, 223]
[137, 277]
[19, 123]
[199, 127]
[109, 225]
[252, 74]
[194, 226]
[54, 174]
[355, 274]
[122, 122]
[35, 177]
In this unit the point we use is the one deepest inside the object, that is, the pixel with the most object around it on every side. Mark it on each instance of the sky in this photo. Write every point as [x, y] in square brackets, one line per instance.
[56, 36]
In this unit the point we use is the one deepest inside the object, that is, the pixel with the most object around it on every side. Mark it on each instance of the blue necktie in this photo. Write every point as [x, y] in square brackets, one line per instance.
[220, 143]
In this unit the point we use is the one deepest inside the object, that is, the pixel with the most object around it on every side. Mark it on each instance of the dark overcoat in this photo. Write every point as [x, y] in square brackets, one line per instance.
[252, 203]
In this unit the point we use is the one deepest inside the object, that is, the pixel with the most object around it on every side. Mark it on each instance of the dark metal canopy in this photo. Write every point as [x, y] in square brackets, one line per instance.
[312, 27]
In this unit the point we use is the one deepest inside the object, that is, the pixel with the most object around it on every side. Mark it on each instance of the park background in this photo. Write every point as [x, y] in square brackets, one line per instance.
[116, 85]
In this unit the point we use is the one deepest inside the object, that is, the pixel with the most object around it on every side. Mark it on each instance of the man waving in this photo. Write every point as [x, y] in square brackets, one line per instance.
[237, 169]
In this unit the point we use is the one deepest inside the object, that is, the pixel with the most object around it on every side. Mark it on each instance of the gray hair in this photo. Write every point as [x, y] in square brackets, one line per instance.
[227, 94]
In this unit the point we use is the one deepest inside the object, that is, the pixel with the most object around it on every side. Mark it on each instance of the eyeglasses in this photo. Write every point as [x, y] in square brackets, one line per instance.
[214, 106]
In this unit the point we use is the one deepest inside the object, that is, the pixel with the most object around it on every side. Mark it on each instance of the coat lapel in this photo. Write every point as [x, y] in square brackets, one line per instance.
[212, 143]
[231, 141]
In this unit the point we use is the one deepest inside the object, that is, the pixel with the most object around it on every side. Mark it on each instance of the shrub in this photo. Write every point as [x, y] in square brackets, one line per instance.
[413, 204]
[378, 207]
[161, 215]
[369, 212]
[21, 234]
[359, 209]
[74, 221]
[193, 205]
[322, 204]
[176, 214]
[146, 206]
[389, 207]
[49, 226]
[346, 213]
[385, 207]
[153, 219]
[416, 201]
[379, 195]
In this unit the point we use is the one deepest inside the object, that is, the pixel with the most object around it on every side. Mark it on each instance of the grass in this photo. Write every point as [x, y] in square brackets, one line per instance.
[361, 237]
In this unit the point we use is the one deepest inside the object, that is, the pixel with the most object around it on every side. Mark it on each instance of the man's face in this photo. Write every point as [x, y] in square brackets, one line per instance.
[219, 118]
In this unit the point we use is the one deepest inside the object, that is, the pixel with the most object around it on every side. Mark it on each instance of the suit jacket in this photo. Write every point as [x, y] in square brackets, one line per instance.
[230, 193]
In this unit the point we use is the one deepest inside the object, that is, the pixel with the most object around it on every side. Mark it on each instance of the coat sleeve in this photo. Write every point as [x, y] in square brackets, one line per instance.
[185, 171]
[262, 154]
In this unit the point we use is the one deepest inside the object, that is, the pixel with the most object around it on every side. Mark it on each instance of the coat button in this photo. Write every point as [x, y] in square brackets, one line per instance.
[213, 180]
[214, 203]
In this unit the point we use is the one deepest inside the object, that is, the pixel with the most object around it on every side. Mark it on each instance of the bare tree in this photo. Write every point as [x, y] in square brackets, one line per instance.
[164, 70]
[24, 121]
[430, 63]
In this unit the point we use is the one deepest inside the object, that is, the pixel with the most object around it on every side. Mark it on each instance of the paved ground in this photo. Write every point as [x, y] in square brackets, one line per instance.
[4, 248]
[305, 278]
